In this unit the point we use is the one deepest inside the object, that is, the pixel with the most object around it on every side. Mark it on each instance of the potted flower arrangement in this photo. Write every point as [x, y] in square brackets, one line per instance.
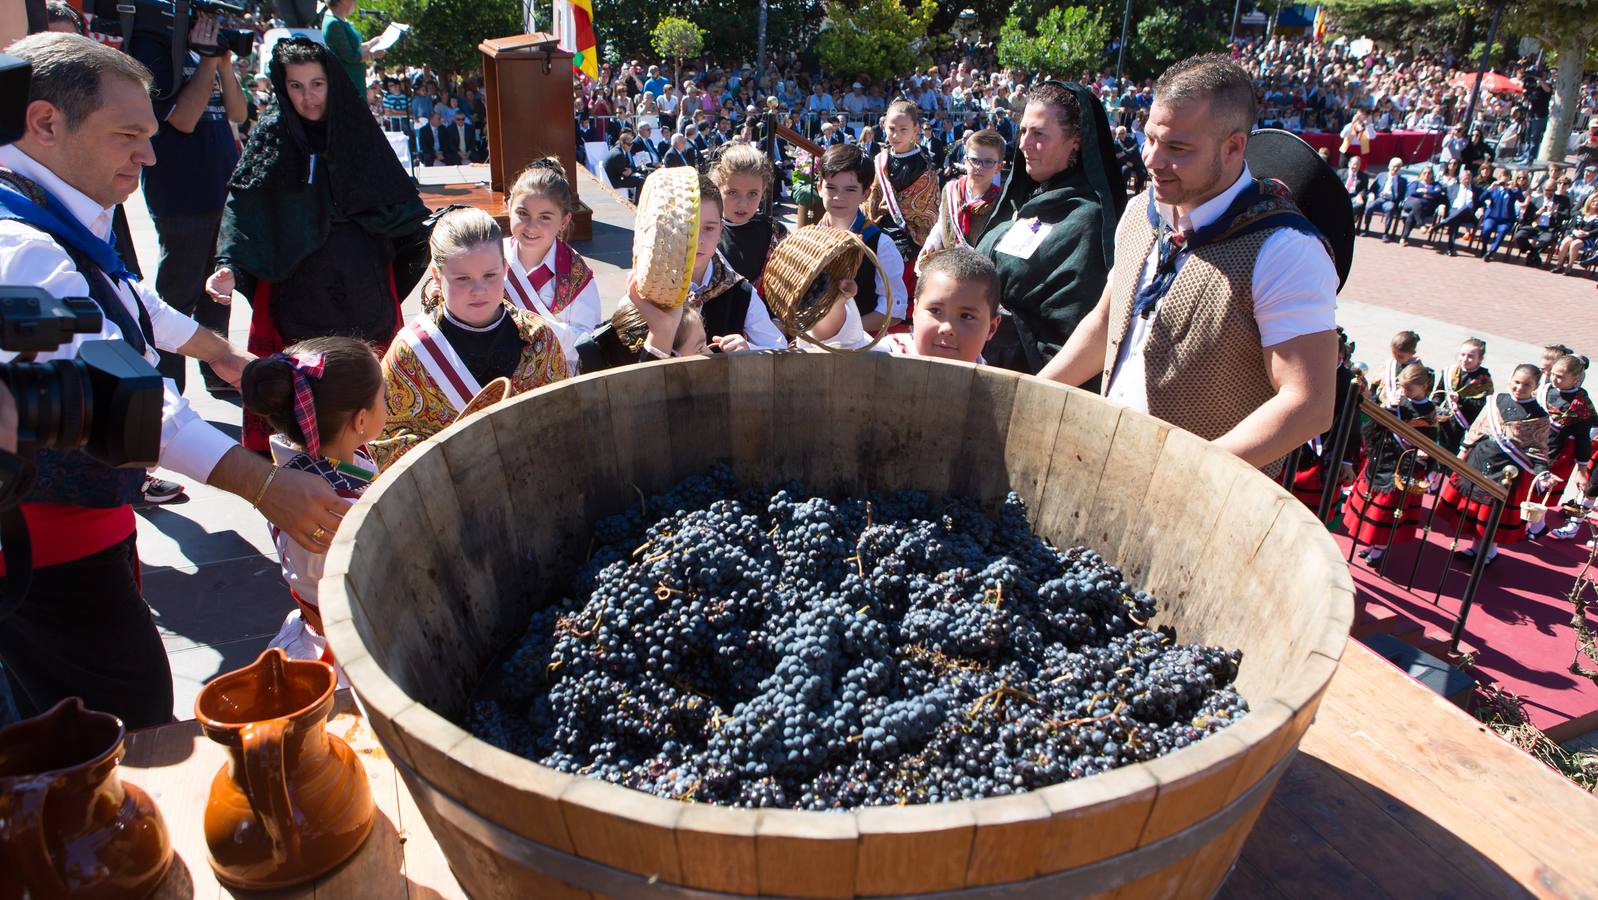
[804, 186]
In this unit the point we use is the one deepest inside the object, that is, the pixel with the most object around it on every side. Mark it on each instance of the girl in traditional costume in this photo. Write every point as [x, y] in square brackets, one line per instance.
[547, 276]
[466, 336]
[968, 201]
[1384, 509]
[743, 175]
[1466, 387]
[903, 200]
[1573, 416]
[318, 209]
[1512, 430]
[324, 399]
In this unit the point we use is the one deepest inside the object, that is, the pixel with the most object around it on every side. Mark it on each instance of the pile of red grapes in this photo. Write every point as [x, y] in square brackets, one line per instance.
[776, 649]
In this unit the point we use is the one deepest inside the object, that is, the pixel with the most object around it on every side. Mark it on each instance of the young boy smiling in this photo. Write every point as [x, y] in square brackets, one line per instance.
[957, 308]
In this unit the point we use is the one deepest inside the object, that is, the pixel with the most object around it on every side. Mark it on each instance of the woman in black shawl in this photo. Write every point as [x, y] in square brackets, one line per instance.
[317, 206]
[1052, 234]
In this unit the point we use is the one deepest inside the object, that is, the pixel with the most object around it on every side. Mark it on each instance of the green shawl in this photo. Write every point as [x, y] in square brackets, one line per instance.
[1054, 289]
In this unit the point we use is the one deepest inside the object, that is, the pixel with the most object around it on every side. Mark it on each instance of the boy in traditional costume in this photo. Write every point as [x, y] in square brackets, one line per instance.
[324, 399]
[968, 201]
[547, 276]
[846, 175]
[466, 337]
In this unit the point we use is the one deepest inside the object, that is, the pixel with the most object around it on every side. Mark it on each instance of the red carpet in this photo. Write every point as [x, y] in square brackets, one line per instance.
[1519, 623]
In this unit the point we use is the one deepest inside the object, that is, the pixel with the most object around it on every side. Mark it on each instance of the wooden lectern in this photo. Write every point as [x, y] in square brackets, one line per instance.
[528, 82]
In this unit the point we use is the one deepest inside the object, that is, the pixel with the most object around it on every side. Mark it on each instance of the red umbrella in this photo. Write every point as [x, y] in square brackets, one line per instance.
[1494, 83]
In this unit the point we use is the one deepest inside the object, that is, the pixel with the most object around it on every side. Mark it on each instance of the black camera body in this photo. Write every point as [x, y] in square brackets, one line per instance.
[159, 19]
[106, 401]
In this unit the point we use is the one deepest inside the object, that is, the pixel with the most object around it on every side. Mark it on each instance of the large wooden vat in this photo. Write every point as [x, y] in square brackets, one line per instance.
[436, 569]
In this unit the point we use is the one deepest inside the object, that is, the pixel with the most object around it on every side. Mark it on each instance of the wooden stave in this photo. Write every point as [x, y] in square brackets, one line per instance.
[414, 733]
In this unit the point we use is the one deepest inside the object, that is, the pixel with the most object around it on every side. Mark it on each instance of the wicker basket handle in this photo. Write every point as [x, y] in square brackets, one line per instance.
[887, 289]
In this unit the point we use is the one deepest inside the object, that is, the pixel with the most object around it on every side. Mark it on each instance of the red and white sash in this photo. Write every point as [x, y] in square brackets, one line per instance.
[522, 292]
[443, 365]
[888, 196]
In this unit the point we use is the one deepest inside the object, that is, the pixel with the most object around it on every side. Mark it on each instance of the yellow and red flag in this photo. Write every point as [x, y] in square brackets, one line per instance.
[1320, 24]
[574, 25]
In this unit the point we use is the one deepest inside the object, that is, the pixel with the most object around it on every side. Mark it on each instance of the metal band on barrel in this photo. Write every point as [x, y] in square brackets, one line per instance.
[585, 874]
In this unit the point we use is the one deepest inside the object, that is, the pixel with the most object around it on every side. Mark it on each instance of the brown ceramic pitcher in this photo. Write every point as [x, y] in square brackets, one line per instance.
[292, 801]
[69, 827]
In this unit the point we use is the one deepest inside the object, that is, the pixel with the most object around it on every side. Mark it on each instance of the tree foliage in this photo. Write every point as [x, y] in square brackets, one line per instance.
[1167, 35]
[876, 39]
[445, 33]
[1065, 42]
[1431, 23]
[677, 39]
[624, 27]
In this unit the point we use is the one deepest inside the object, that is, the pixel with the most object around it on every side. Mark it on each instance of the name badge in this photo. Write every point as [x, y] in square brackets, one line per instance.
[1023, 238]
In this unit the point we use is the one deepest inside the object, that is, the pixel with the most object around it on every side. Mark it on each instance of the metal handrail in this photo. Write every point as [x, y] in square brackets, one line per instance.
[1432, 449]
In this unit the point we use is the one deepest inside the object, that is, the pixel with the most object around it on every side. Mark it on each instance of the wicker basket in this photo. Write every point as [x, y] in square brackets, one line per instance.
[801, 279]
[492, 393]
[666, 235]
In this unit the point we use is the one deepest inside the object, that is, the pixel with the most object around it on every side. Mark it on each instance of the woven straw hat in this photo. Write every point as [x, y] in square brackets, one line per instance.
[666, 235]
[802, 274]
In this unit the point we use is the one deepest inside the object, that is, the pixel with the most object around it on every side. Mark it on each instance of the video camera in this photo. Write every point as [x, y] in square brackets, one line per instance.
[107, 401]
[167, 21]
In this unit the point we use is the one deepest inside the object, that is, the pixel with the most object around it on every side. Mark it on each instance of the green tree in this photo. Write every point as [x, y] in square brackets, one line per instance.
[875, 39]
[624, 27]
[1168, 35]
[676, 39]
[1067, 41]
[445, 33]
[1434, 23]
[1567, 28]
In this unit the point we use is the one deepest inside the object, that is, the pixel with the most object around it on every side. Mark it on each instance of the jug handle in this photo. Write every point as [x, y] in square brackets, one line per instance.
[23, 831]
[267, 785]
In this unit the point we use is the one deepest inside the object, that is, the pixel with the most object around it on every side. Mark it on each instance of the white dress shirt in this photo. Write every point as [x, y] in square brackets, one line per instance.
[190, 445]
[890, 270]
[1294, 285]
[580, 317]
[759, 330]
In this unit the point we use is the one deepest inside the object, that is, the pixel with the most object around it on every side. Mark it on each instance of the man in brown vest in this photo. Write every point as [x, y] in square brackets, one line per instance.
[1220, 311]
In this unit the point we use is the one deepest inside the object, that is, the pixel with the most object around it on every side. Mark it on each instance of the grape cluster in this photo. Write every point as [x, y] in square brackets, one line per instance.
[761, 649]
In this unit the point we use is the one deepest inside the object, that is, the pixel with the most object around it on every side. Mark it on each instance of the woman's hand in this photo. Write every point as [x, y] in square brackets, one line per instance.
[220, 286]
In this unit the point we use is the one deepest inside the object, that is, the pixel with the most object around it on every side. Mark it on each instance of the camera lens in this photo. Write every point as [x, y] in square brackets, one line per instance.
[51, 403]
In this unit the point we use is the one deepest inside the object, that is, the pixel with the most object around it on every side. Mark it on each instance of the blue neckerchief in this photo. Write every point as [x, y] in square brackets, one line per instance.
[1255, 208]
[54, 219]
[858, 226]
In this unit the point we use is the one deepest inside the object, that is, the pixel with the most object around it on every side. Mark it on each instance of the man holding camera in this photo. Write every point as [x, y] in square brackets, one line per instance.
[186, 188]
[83, 628]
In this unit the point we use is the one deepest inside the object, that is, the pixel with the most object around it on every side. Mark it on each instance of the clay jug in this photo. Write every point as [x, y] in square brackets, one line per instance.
[292, 801]
[69, 827]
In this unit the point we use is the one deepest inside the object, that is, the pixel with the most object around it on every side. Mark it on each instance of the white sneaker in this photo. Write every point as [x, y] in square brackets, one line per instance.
[1566, 531]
